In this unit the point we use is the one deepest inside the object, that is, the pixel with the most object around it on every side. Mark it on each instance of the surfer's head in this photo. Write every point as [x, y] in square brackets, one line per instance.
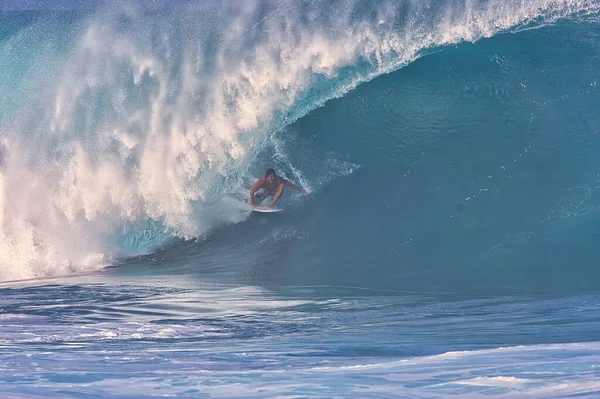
[270, 175]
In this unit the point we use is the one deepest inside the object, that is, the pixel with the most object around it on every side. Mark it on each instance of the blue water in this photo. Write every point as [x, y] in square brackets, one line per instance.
[448, 247]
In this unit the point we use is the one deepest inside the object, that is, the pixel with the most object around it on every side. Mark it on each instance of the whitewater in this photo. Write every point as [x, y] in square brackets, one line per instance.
[448, 247]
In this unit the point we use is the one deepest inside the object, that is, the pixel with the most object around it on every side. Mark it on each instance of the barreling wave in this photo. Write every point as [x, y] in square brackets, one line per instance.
[122, 127]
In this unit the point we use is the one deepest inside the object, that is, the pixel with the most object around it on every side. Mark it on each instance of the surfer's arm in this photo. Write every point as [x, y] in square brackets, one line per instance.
[292, 185]
[277, 195]
[253, 190]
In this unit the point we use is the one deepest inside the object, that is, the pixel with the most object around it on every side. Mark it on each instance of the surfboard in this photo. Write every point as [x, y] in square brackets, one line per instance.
[265, 210]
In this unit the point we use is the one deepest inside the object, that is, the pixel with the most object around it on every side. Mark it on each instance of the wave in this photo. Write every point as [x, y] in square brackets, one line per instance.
[122, 127]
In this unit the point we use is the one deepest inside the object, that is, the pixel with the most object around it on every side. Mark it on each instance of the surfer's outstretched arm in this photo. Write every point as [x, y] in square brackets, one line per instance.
[292, 185]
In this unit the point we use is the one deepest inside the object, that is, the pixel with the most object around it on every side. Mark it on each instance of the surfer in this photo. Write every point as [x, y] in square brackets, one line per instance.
[271, 185]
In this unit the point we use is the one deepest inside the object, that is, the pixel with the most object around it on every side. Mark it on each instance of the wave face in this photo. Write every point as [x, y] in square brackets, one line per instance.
[124, 127]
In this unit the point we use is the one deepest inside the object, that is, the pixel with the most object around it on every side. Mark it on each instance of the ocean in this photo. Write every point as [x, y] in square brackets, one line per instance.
[448, 247]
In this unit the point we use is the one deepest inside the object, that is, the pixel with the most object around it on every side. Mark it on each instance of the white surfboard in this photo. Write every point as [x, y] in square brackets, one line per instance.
[265, 210]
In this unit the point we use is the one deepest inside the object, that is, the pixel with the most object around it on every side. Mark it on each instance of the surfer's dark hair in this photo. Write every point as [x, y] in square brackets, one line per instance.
[269, 172]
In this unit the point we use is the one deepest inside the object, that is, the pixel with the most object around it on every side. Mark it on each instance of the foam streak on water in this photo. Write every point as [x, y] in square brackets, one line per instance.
[146, 341]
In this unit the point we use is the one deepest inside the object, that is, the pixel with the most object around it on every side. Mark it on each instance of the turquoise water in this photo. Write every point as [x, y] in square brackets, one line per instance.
[448, 247]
